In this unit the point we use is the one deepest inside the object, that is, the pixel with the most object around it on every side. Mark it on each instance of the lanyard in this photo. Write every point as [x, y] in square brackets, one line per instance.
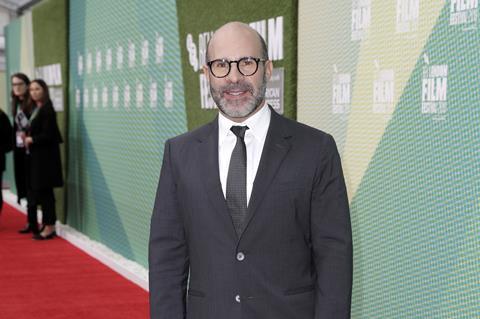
[34, 114]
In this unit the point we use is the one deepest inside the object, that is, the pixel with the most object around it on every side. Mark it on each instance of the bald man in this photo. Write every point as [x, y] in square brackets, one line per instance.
[251, 217]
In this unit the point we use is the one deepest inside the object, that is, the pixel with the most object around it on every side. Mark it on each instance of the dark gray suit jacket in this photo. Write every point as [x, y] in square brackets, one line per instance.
[294, 258]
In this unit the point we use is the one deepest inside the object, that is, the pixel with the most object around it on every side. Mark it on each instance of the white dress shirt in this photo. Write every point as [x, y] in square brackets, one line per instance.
[254, 140]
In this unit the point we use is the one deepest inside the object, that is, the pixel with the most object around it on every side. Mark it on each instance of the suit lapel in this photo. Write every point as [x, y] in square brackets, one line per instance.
[275, 149]
[209, 170]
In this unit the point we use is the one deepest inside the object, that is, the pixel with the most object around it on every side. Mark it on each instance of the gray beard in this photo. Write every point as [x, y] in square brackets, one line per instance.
[250, 106]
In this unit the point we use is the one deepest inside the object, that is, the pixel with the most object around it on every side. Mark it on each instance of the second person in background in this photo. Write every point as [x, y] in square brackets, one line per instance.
[44, 168]
[21, 111]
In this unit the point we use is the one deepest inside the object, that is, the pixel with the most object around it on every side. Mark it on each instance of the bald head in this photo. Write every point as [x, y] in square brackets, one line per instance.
[238, 95]
[236, 33]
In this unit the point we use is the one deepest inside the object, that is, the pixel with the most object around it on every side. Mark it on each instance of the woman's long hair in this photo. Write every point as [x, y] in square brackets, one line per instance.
[46, 94]
[25, 105]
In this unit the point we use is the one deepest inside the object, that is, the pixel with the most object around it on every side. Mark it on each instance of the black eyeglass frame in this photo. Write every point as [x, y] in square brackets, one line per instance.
[257, 60]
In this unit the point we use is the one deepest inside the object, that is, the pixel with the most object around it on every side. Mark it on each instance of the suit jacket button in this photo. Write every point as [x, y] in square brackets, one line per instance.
[237, 298]
[240, 256]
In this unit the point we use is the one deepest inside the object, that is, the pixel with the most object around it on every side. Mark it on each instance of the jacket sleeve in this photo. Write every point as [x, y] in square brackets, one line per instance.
[168, 253]
[6, 142]
[331, 237]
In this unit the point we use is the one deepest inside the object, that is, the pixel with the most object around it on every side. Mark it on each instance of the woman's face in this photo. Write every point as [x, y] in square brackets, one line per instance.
[18, 86]
[36, 92]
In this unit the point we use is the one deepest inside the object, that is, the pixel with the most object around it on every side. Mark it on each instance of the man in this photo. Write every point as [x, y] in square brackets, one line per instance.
[251, 217]
[6, 140]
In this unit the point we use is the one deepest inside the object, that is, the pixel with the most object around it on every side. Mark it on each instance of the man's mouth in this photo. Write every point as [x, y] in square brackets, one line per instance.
[235, 93]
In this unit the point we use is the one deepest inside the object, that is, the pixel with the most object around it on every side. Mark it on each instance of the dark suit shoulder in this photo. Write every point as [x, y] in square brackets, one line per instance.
[304, 132]
[199, 133]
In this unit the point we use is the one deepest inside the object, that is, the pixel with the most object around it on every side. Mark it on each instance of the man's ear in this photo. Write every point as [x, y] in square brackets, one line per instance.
[205, 71]
[268, 69]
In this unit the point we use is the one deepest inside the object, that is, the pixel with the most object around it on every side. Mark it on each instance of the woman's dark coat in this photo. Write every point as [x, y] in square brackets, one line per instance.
[45, 163]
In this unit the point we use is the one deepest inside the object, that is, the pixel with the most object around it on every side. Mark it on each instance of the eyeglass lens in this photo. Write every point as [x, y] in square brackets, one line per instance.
[246, 66]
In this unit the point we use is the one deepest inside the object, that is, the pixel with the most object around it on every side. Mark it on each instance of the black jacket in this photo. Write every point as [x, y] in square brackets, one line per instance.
[45, 163]
[294, 257]
[5, 138]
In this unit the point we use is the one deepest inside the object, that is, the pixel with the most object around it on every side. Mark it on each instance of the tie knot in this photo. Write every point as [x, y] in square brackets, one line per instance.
[239, 131]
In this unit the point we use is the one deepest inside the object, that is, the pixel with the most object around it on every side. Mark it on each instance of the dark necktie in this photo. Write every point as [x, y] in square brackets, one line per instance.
[236, 192]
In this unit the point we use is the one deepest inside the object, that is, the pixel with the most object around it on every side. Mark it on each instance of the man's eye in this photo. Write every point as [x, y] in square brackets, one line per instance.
[221, 64]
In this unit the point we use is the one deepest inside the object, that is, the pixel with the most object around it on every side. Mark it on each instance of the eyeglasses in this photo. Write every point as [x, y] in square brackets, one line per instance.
[18, 84]
[247, 66]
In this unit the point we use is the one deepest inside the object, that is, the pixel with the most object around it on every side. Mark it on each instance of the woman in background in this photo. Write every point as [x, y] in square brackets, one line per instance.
[44, 168]
[5, 146]
[21, 111]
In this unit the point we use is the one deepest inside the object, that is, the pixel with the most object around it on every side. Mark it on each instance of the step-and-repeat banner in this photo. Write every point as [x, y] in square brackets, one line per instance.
[127, 96]
[126, 99]
[397, 84]
[36, 44]
[275, 21]
[19, 58]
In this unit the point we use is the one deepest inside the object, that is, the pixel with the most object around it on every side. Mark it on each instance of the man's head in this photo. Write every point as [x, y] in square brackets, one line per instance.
[240, 92]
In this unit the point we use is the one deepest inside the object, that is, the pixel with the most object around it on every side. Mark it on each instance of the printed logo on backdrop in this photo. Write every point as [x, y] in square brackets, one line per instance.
[126, 96]
[98, 61]
[361, 19]
[134, 93]
[105, 96]
[139, 95]
[158, 49]
[145, 52]
[153, 94]
[115, 96]
[434, 89]
[89, 62]
[383, 90]
[86, 97]
[108, 59]
[407, 15]
[78, 97]
[341, 92]
[168, 93]
[274, 91]
[95, 98]
[80, 64]
[52, 75]
[131, 54]
[119, 57]
[272, 31]
[464, 13]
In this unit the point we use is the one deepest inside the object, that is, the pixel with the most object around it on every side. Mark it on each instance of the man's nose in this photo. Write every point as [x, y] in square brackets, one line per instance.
[234, 76]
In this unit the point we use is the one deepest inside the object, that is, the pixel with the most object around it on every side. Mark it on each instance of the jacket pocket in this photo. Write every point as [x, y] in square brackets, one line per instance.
[299, 290]
[196, 293]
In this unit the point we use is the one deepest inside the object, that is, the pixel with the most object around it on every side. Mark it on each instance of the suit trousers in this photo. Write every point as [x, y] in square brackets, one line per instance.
[44, 198]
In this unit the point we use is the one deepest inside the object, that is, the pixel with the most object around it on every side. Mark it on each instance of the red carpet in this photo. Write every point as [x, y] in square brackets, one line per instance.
[53, 279]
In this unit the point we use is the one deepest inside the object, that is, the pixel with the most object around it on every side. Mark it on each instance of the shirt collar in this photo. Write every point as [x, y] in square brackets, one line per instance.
[257, 124]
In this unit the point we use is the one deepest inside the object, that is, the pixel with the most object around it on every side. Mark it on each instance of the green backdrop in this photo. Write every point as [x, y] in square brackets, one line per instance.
[13, 45]
[50, 36]
[396, 83]
[38, 39]
[276, 21]
[126, 99]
